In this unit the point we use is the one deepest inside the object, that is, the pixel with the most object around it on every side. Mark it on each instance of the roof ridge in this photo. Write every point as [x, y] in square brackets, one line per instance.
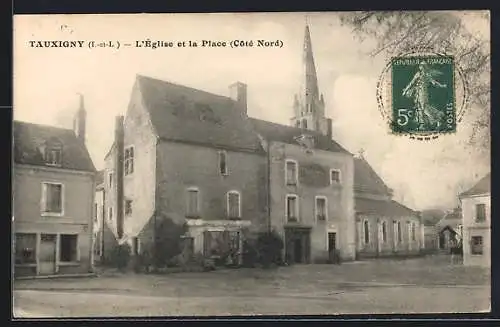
[403, 205]
[286, 126]
[191, 88]
[42, 125]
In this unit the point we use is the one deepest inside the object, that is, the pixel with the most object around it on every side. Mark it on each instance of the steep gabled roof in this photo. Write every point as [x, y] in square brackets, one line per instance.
[288, 134]
[180, 113]
[367, 180]
[388, 208]
[30, 138]
[481, 187]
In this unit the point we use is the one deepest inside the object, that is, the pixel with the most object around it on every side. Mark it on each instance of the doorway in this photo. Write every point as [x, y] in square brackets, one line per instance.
[47, 259]
[297, 251]
[332, 247]
[298, 244]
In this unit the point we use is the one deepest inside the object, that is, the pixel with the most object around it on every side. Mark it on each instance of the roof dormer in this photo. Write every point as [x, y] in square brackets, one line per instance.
[52, 152]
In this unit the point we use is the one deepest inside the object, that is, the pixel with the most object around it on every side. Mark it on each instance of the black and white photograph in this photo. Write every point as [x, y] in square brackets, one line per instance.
[251, 164]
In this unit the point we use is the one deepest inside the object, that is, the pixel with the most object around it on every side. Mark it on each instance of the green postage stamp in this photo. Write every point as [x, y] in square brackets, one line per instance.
[423, 95]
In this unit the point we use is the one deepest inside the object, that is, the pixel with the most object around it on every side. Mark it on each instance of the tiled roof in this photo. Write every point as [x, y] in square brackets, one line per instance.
[481, 187]
[30, 138]
[180, 113]
[389, 208]
[367, 180]
[288, 134]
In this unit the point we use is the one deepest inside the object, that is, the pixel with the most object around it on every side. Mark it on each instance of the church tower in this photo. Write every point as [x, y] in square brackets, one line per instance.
[309, 104]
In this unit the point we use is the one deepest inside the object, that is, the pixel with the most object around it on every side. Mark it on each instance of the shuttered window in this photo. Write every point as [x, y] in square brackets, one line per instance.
[52, 198]
[192, 203]
[233, 204]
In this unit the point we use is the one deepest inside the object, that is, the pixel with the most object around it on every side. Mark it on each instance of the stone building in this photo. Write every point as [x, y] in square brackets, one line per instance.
[449, 230]
[198, 159]
[476, 213]
[384, 227]
[53, 184]
[310, 177]
[187, 157]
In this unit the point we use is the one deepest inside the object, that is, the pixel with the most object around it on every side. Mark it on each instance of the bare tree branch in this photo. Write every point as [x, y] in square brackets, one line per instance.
[443, 32]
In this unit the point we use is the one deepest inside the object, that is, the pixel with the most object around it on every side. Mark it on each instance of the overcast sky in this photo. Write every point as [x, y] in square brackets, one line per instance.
[46, 83]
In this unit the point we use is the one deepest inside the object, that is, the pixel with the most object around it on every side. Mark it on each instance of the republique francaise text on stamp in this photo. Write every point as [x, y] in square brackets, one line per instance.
[423, 96]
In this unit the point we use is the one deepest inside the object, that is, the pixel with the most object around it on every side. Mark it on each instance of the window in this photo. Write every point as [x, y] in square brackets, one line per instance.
[297, 123]
[53, 156]
[413, 232]
[69, 248]
[359, 233]
[52, 198]
[96, 207]
[480, 212]
[223, 163]
[192, 203]
[136, 245]
[304, 123]
[366, 230]
[476, 245]
[25, 248]
[399, 236]
[384, 231]
[233, 204]
[128, 207]
[129, 160]
[291, 172]
[334, 176]
[321, 208]
[292, 208]
[110, 214]
[110, 179]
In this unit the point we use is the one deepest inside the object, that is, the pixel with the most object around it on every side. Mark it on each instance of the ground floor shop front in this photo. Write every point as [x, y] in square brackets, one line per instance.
[51, 249]
[218, 240]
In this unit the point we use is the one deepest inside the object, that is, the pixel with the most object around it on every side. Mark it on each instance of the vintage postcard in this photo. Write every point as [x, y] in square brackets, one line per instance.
[231, 164]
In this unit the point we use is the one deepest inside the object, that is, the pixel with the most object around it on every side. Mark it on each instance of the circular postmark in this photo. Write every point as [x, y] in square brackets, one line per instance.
[422, 94]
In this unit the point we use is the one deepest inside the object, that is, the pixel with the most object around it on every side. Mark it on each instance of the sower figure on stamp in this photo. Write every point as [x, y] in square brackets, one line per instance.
[418, 89]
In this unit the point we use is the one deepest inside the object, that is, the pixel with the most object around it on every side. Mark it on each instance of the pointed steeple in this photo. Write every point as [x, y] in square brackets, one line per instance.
[311, 93]
[309, 105]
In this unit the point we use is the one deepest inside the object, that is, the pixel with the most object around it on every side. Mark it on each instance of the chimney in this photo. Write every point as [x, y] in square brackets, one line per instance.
[119, 142]
[329, 128]
[238, 92]
[79, 122]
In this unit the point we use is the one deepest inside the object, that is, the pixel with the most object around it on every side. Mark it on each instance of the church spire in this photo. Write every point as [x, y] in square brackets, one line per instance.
[311, 93]
[309, 106]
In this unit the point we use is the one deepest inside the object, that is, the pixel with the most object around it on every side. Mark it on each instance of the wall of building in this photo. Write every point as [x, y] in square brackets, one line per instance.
[431, 241]
[472, 228]
[140, 186]
[181, 166]
[98, 221]
[77, 217]
[391, 247]
[110, 192]
[339, 198]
